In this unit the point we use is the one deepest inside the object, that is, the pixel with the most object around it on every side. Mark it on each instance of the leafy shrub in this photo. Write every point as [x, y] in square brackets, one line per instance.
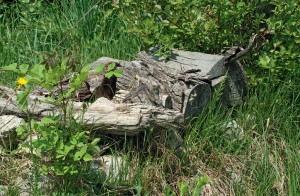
[60, 138]
[64, 144]
[281, 56]
[212, 26]
[65, 151]
[206, 26]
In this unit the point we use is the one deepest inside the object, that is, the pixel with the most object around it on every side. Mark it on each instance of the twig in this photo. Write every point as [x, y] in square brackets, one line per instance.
[238, 52]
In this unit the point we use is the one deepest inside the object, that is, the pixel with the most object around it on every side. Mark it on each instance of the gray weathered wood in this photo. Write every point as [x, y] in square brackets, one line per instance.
[104, 116]
[203, 66]
[8, 125]
[151, 92]
[108, 117]
[9, 104]
[183, 80]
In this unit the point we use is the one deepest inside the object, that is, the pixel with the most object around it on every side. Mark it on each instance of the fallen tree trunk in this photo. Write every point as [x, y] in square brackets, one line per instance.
[130, 119]
[103, 115]
[182, 83]
[36, 105]
[152, 92]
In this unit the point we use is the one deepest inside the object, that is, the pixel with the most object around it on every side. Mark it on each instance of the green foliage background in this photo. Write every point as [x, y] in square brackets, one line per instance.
[211, 26]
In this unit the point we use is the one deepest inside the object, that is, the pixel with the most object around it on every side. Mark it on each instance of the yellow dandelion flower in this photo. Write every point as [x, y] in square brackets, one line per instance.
[21, 82]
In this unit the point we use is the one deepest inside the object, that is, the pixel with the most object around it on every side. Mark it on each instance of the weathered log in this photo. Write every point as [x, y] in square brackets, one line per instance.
[96, 85]
[103, 115]
[235, 84]
[108, 117]
[8, 135]
[181, 83]
[9, 104]
[152, 92]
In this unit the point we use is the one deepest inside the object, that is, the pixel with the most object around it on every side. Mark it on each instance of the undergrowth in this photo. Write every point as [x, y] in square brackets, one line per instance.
[264, 161]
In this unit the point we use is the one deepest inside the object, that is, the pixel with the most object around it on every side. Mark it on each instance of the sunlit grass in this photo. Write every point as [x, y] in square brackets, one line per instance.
[83, 29]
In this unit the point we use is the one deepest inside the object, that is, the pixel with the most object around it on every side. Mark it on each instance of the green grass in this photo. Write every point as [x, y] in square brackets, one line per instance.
[82, 29]
[265, 162]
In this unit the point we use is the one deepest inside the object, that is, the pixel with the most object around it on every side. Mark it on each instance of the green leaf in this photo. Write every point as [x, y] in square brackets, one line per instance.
[23, 68]
[80, 144]
[118, 73]
[73, 141]
[165, 22]
[44, 169]
[264, 61]
[99, 69]
[22, 100]
[32, 124]
[38, 71]
[47, 121]
[64, 64]
[183, 188]
[53, 139]
[94, 148]
[200, 183]
[69, 92]
[11, 67]
[157, 8]
[47, 85]
[72, 169]
[79, 135]
[87, 157]
[60, 145]
[42, 145]
[95, 141]
[25, 145]
[79, 154]
[50, 100]
[109, 74]
[77, 83]
[86, 69]
[206, 26]
[111, 67]
[84, 72]
[59, 154]
[59, 100]
[68, 148]
[20, 130]
[173, 27]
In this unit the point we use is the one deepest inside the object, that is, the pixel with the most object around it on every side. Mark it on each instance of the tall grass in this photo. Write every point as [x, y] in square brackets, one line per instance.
[29, 32]
[269, 154]
[265, 161]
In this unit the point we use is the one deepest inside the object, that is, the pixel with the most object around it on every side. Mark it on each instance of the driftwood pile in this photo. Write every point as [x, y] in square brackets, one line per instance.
[152, 92]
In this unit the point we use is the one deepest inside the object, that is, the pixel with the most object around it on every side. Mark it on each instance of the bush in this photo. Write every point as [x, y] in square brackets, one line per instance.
[212, 26]
[64, 145]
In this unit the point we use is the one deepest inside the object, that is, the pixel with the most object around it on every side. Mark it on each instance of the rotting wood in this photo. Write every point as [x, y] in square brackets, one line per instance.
[152, 92]
[103, 115]
[185, 87]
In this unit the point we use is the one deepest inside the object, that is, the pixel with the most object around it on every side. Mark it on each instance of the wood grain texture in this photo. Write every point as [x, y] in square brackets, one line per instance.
[105, 116]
